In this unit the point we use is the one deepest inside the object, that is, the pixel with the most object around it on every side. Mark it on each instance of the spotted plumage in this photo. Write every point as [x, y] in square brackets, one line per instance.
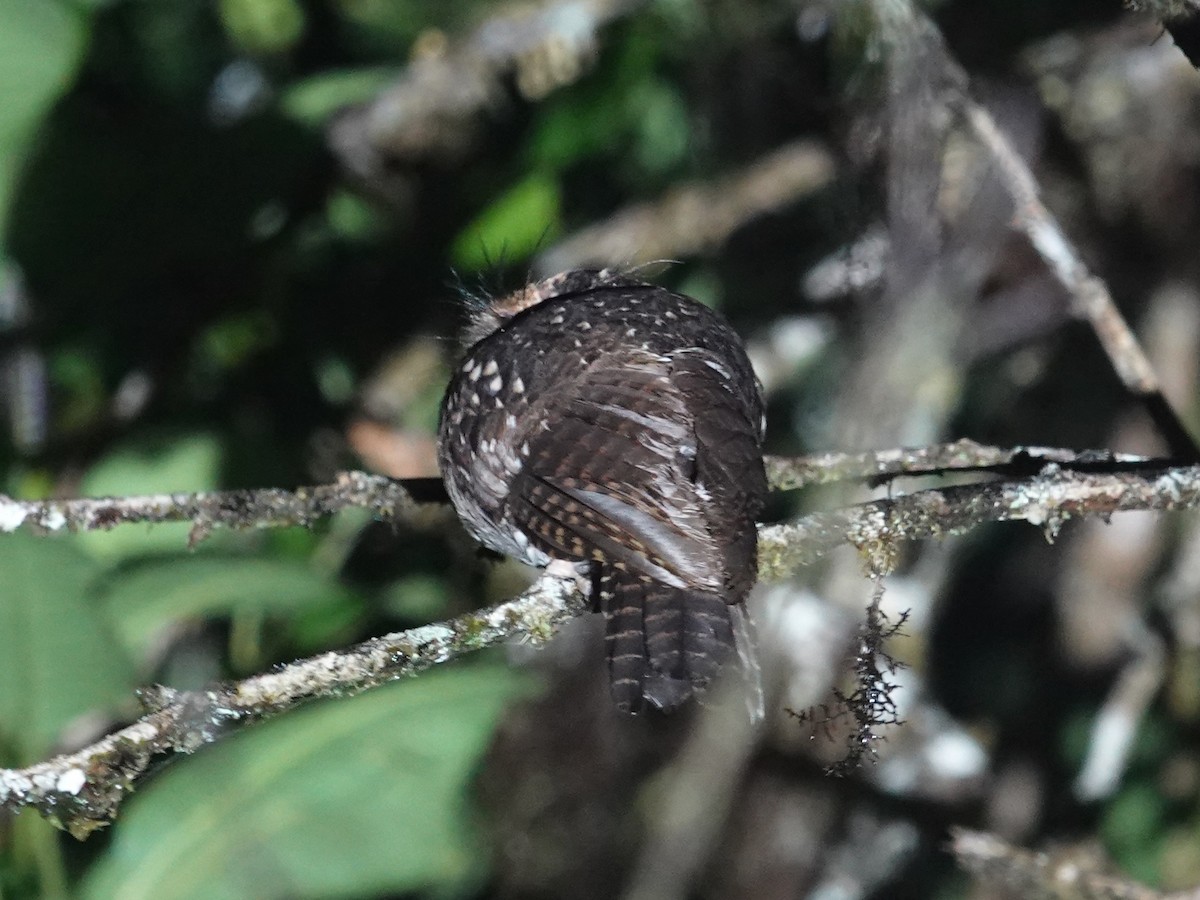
[617, 425]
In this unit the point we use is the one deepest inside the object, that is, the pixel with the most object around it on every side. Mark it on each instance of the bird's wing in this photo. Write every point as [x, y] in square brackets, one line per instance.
[640, 468]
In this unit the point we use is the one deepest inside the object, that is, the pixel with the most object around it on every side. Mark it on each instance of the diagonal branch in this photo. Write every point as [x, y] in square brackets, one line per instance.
[1091, 299]
[82, 791]
[906, 32]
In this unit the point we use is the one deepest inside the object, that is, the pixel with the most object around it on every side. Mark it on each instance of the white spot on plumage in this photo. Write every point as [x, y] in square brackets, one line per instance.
[557, 320]
[491, 368]
[518, 386]
[495, 384]
[585, 326]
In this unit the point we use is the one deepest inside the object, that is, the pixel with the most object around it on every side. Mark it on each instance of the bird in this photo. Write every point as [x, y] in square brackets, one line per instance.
[613, 424]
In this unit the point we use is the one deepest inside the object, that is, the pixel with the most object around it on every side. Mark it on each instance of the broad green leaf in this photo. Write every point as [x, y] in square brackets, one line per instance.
[58, 658]
[355, 797]
[513, 227]
[179, 465]
[144, 600]
[39, 46]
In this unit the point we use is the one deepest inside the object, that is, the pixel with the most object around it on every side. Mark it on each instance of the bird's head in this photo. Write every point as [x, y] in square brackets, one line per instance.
[490, 314]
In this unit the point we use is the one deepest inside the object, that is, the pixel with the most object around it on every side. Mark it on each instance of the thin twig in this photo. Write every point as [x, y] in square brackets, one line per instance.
[433, 111]
[695, 219]
[787, 473]
[903, 24]
[1047, 500]
[392, 498]
[1091, 299]
[264, 508]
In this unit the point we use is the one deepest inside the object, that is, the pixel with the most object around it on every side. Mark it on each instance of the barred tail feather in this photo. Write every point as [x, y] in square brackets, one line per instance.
[664, 643]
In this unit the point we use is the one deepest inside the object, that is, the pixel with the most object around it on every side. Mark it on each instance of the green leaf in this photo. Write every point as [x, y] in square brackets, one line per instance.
[349, 798]
[606, 113]
[262, 26]
[311, 101]
[155, 467]
[58, 658]
[39, 47]
[663, 130]
[513, 227]
[145, 600]
[1132, 828]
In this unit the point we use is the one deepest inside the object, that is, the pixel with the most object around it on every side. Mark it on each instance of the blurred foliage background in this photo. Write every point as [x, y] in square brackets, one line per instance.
[236, 238]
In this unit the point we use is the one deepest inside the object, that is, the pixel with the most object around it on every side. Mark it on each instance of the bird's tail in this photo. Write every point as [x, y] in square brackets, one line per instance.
[664, 643]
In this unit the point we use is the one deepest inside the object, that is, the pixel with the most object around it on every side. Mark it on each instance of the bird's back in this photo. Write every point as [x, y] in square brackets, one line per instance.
[619, 426]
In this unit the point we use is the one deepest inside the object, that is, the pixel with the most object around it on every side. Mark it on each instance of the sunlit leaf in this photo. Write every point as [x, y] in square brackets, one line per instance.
[262, 26]
[513, 227]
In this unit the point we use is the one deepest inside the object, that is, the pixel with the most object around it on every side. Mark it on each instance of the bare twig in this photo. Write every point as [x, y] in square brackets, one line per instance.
[696, 218]
[787, 473]
[1093, 302]
[82, 791]
[432, 112]
[901, 25]
[269, 507]
[1068, 874]
[390, 498]
[1047, 500]
[1091, 299]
